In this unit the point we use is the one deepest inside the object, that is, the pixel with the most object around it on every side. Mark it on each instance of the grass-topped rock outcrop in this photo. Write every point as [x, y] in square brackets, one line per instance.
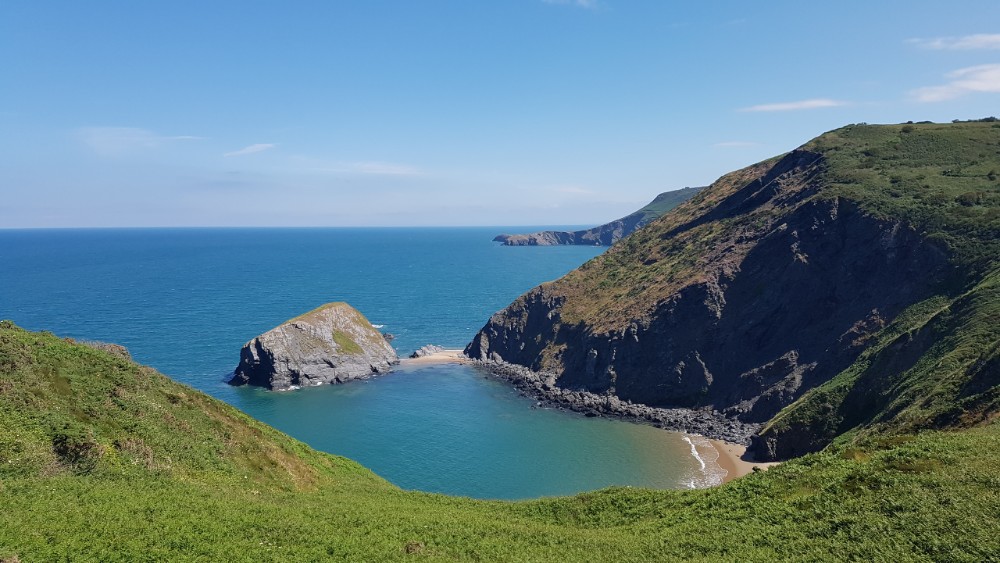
[778, 278]
[333, 343]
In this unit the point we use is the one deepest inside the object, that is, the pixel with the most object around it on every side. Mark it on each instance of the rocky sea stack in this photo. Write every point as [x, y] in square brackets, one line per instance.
[333, 343]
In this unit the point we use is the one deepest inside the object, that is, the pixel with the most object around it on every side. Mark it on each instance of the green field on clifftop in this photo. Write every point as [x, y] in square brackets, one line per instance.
[102, 459]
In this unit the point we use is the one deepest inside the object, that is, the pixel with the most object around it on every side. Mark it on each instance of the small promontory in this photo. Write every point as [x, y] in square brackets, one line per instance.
[333, 343]
[608, 233]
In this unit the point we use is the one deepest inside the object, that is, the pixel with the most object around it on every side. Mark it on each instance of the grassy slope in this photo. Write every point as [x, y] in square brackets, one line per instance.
[943, 179]
[937, 365]
[663, 203]
[102, 459]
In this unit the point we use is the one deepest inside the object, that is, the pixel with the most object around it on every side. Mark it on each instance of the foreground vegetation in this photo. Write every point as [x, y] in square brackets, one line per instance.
[102, 459]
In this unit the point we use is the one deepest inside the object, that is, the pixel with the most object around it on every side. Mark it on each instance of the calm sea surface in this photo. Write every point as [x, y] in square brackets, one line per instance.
[185, 300]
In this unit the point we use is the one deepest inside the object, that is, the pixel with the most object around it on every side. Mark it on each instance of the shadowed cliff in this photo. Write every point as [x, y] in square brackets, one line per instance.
[777, 278]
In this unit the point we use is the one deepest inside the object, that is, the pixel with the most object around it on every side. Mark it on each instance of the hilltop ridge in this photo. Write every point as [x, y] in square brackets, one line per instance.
[608, 233]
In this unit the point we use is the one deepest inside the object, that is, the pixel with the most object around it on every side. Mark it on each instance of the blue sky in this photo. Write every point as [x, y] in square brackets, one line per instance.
[462, 112]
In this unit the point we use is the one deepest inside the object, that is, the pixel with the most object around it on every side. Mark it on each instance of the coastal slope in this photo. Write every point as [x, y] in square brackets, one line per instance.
[608, 233]
[102, 459]
[779, 279]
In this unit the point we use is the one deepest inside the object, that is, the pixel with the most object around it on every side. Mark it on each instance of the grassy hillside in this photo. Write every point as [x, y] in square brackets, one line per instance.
[102, 459]
[941, 179]
[663, 203]
[847, 287]
[937, 365]
[608, 233]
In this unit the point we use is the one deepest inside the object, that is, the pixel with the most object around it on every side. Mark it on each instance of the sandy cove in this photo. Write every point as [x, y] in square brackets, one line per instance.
[736, 461]
[733, 458]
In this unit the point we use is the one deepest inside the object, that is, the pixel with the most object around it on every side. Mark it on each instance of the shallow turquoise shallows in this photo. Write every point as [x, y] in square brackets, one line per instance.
[185, 300]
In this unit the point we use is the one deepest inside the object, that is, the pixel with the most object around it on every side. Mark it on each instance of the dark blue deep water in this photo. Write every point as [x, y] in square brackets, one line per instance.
[185, 300]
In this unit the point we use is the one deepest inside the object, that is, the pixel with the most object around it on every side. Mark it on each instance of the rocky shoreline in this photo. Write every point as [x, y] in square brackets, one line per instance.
[541, 386]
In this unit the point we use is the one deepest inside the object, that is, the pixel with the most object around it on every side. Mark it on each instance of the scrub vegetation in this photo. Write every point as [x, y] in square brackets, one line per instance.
[103, 459]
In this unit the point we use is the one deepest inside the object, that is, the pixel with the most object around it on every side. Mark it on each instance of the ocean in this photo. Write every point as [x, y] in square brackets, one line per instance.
[184, 301]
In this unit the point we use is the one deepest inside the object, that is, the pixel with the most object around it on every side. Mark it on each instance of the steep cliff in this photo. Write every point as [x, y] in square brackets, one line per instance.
[331, 344]
[774, 280]
[608, 233]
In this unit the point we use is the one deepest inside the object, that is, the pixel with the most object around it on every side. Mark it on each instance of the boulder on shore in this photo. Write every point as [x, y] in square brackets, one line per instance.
[333, 343]
[427, 350]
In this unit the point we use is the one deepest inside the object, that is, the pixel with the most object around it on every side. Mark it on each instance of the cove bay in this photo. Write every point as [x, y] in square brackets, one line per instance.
[185, 300]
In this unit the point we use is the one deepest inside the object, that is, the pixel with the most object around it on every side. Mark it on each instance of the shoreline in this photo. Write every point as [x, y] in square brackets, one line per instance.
[542, 387]
[450, 356]
[728, 438]
[736, 461]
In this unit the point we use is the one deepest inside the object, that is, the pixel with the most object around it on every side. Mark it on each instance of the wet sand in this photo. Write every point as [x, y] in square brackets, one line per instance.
[442, 357]
[734, 459]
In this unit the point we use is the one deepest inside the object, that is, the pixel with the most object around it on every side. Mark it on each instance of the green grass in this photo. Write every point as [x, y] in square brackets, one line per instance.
[941, 179]
[346, 344]
[102, 459]
[664, 203]
[936, 365]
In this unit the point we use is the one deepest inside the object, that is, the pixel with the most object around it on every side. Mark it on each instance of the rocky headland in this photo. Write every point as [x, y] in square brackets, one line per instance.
[333, 343]
[766, 298]
[608, 233]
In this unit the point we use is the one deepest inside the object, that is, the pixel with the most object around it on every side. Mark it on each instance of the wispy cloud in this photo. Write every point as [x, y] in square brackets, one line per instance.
[815, 103]
[119, 141]
[966, 43]
[365, 167]
[255, 148]
[577, 190]
[588, 4]
[382, 168]
[735, 144]
[982, 78]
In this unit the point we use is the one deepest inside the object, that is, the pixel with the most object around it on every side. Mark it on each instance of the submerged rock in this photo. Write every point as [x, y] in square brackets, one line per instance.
[330, 344]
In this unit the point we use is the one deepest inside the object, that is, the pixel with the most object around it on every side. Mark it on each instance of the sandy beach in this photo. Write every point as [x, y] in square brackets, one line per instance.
[734, 459]
[442, 357]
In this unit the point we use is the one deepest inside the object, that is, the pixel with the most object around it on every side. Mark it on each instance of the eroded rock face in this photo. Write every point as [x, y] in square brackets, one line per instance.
[331, 344]
[768, 315]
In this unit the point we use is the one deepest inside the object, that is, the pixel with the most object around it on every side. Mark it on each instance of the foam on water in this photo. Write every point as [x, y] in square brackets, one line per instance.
[707, 455]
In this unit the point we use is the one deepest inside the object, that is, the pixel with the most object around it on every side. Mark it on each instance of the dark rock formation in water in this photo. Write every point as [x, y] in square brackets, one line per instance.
[608, 233]
[331, 344]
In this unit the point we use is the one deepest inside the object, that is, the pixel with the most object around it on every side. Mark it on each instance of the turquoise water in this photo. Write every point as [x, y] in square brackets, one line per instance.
[185, 300]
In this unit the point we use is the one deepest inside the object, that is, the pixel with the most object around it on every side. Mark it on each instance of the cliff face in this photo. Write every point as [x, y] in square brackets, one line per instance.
[767, 285]
[332, 344]
[608, 233]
